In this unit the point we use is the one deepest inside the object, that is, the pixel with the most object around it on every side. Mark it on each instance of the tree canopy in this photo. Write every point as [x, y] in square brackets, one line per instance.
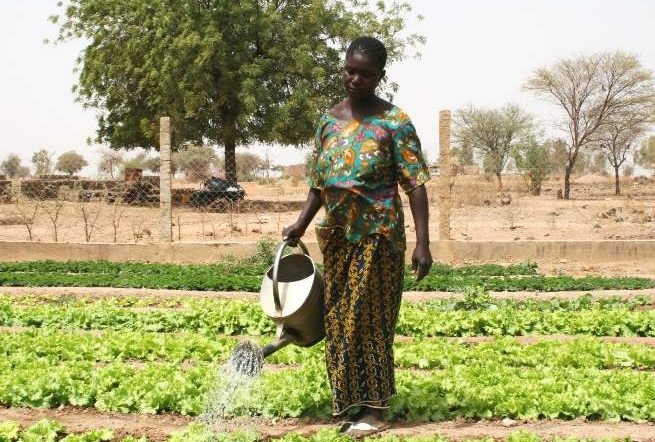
[227, 73]
[13, 168]
[42, 161]
[591, 91]
[493, 133]
[70, 162]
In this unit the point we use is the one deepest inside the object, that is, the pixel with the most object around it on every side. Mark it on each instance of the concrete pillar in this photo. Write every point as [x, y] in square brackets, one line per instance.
[445, 171]
[165, 207]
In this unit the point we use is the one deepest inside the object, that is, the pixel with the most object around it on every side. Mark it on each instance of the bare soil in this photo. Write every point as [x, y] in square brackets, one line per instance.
[593, 213]
[113, 292]
[159, 427]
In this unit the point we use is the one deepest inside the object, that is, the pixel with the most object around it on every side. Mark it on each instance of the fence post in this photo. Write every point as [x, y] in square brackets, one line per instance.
[445, 171]
[165, 206]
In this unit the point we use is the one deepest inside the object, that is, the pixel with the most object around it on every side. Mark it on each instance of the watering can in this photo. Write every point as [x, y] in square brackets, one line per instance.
[292, 296]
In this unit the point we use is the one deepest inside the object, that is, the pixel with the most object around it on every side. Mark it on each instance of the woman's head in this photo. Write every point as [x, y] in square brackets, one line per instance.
[363, 70]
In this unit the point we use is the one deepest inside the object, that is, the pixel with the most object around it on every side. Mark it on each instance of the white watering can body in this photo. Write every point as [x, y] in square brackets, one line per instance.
[292, 296]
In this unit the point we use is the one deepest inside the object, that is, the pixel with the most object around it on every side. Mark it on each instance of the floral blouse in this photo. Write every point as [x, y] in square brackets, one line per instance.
[358, 165]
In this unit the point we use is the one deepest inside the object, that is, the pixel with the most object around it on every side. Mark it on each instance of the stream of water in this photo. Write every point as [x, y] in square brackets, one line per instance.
[233, 386]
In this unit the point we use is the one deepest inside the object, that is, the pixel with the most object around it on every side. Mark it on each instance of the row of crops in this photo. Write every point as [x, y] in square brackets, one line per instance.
[418, 320]
[132, 354]
[126, 368]
[240, 276]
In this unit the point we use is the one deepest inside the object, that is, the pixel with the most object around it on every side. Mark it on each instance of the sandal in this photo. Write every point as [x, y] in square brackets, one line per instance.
[344, 426]
[362, 429]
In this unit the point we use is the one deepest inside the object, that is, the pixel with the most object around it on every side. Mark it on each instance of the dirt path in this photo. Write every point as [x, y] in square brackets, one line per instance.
[411, 296]
[106, 292]
[158, 427]
[524, 340]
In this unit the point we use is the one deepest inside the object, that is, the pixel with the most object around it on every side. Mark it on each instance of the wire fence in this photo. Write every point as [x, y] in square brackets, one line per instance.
[191, 200]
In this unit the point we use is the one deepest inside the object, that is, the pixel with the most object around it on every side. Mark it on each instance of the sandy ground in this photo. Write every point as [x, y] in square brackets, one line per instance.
[158, 427]
[594, 213]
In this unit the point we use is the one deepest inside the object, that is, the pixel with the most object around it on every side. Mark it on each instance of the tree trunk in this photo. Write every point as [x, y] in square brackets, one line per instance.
[617, 181]
[230, 159]
[567, 182]
[500, 181]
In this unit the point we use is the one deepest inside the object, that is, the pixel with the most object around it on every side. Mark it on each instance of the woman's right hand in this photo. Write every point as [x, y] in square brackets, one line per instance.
[293, 233]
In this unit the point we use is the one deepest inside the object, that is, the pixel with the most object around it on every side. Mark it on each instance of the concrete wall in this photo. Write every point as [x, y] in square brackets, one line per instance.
[586, 252]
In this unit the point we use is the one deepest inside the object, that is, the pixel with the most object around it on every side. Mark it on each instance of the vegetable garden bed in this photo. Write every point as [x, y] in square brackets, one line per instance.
[149, 355]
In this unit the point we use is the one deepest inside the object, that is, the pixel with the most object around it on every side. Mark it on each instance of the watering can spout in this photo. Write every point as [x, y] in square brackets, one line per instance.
[276, 345]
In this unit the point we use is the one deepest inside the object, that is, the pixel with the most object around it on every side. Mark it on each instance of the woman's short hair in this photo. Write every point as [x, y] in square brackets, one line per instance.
[370, 46]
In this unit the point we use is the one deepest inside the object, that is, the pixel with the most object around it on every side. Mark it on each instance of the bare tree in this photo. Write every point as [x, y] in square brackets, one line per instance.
[619, 136]
[493, 133]
[53, 210]
[27, 211]
[110, 162]
[591, 90]
[90, 216]
[116, 216]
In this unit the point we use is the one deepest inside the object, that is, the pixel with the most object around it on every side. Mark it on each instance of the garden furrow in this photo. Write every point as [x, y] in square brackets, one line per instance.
[410, 296]
[157, 428]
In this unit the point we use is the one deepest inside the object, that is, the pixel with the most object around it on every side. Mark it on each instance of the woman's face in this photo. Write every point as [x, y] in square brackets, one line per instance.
[361, 75]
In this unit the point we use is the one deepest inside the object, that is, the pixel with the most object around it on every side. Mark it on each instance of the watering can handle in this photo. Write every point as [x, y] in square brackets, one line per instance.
[276, 264]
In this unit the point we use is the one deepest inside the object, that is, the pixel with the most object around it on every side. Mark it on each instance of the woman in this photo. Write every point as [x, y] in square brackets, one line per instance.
[364, 148]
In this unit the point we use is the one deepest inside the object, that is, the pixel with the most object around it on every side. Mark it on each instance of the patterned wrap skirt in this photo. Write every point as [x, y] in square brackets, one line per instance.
[363, 289]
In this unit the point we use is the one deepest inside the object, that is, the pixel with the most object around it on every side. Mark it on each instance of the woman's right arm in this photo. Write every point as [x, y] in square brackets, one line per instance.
[312, 204]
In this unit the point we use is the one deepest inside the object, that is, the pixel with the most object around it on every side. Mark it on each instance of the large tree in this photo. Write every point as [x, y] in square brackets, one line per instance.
[493, 133]
[591, 91]
[227, 72]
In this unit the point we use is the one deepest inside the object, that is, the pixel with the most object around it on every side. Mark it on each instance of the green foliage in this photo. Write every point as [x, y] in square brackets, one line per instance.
[532, 161]
[42, 161]
[488, 390]
[242, 71]
[13, 168]
[195, 162]
[9, 431]
[70, 162]
[476, 297]
[492, 133]
[45, 430]
[264, 252]
[57, 347]
[415, 319]
[141, 161]
[247, 276]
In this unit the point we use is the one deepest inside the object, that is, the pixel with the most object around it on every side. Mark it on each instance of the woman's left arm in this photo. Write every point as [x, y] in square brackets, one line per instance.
[421, 258]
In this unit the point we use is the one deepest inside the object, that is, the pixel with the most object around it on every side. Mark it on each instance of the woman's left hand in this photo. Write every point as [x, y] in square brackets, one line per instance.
[421, 261]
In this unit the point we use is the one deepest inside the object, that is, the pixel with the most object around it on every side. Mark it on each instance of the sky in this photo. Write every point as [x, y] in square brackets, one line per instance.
[478, 52]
